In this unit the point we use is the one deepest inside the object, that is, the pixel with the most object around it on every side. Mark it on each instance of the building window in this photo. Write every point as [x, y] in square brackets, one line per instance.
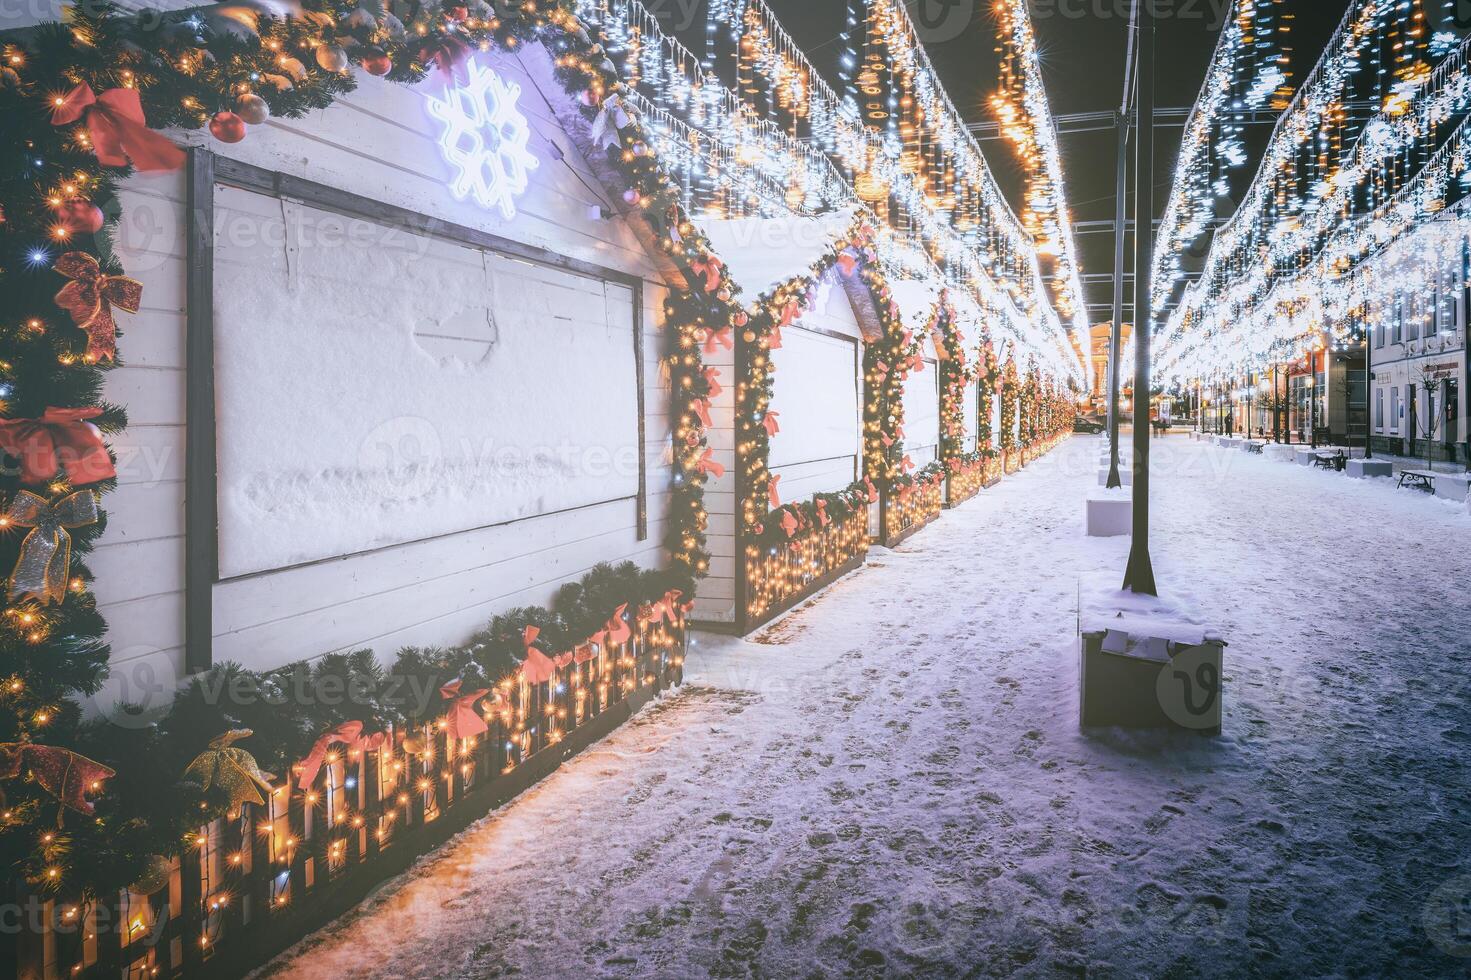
[1379, 410]
[1394, 413]
[1379, 335]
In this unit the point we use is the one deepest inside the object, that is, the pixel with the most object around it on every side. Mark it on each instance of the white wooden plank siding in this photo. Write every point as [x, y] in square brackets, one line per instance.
[379, 142]
[922, 409]
[818, 391]
[971, 402]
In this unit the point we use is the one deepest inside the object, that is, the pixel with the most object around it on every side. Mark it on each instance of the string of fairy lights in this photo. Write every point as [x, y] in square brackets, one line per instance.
[1247, 72]
[1026, 121]
[916, 168]
[1370, 152]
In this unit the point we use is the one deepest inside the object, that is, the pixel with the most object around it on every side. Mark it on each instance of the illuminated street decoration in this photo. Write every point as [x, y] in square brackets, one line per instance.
[484, 139]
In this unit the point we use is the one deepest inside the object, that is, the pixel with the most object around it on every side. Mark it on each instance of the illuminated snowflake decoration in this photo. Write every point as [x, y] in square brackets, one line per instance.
[484, 139]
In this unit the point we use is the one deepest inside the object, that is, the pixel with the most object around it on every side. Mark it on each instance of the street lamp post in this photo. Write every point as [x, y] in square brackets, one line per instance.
[1310, 384]
[1139, 575]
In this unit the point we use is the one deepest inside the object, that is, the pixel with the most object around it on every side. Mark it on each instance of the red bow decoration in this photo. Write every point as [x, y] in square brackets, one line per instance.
[710, 375]
[706, 464]
[349, 733]
[118, 128]
[448, 52]
[771, 423]
[666, 607]
[789, 314]
[886, 439]
[906, 464]
[61, 437]
[563, 660]
[873, 494]
[61, 772]
[462, 720]
[771, 495]
[537, 667]
[847, 262]
[718, 338]
[617, 627]
[702, 409]
[710, 267]
[789, 523]
[774, 340]
[822, 519]
[90, 297]
[916, 364]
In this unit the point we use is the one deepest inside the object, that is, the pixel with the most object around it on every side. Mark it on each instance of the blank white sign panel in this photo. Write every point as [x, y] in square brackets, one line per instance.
[816, 394]
[375, 387]
[922, 408]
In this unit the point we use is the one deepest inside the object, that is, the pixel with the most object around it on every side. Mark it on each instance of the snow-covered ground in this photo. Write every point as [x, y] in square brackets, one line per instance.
[892, 779]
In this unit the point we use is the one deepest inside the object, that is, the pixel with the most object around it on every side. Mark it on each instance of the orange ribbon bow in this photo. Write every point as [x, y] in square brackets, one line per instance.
[789, 523]
[462, 720]
[718, 338]
[771, 423]
[709, 267]
[61, 437]
[537, 667]
[711, 374]
[822, 519]
[771, 495]
[617, 626]
[706, 464]
[349, 733]
[847, 262]
[119, 132]
[90, 297]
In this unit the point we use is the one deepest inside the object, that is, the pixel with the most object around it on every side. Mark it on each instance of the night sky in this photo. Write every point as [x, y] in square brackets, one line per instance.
[1083, 44]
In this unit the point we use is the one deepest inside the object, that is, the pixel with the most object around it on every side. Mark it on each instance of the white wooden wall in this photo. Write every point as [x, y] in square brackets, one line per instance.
[922, 409]
[378, 142]
[819, 393]
[971, 401]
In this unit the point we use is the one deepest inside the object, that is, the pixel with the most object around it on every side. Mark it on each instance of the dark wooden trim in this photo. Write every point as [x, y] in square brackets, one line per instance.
[643, 440]
[201, 500]
[742, 366]
[249, 177]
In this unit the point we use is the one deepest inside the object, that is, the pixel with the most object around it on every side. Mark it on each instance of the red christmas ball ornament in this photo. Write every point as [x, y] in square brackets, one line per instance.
[227, 127]
[378, 64]
[80, 217]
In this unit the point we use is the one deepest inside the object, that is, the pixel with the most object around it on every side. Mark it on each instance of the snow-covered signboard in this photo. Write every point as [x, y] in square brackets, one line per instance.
[377, 387]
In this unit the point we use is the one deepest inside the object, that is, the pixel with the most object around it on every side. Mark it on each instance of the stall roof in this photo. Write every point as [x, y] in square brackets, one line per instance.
[763, 253]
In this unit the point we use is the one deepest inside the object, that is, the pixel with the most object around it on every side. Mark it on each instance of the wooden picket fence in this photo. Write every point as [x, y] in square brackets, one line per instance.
[250, 886]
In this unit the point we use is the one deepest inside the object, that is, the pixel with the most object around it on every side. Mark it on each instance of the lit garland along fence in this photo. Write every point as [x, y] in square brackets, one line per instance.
[780, 575]
[248, 886]
[911, 506]
[965, 477]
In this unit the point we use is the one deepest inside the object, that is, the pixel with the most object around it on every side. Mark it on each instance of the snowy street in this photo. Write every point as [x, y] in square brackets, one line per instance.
[892, 781]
